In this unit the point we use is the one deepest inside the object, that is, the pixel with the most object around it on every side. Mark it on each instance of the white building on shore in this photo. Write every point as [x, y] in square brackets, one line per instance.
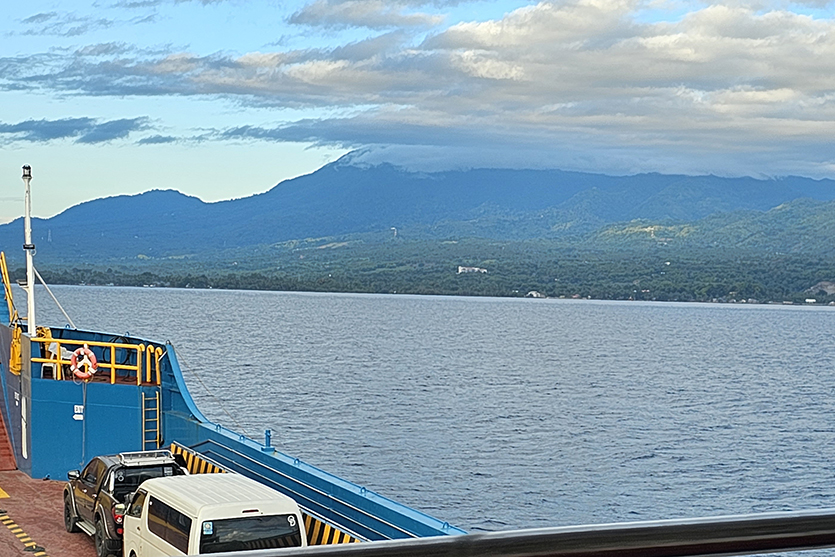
[471, 270]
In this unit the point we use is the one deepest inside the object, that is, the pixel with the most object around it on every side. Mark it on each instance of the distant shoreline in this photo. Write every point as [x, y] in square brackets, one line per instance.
[805, 302]
[475, 267]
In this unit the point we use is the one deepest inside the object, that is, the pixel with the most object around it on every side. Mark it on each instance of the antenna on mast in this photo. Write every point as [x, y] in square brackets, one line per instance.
[29, 247]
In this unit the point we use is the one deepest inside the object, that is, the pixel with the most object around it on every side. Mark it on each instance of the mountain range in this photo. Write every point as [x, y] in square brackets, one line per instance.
[375, 203]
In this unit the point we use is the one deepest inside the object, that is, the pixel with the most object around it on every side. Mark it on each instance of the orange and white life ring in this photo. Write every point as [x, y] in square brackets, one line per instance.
[86, 358]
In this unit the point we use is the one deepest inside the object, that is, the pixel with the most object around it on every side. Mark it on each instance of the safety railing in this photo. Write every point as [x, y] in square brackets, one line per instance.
[147, 358]
[7, 288]
[151, 352]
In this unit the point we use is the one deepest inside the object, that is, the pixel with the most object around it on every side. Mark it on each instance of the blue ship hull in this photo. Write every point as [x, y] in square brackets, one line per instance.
[56, 424]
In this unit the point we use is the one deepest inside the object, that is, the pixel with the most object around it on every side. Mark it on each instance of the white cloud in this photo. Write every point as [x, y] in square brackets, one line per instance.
[374, 14]
[723, 87]
[81, 130]
[62, 24]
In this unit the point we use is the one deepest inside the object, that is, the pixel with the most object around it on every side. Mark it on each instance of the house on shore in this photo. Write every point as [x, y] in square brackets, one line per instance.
[471, 270]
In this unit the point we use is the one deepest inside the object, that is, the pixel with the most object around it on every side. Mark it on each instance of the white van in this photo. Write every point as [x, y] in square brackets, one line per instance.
[209, 513]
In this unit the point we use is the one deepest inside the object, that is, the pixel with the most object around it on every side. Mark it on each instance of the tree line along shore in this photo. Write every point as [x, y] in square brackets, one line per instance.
[503, 269]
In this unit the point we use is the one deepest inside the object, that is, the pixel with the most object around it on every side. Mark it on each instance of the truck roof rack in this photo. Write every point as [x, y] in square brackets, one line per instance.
[140, 458]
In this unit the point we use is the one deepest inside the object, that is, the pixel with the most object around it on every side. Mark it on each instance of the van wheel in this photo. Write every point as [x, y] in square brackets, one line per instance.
[101, 541]
[70, 521]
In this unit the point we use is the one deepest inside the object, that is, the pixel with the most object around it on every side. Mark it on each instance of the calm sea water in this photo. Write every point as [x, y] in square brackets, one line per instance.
[511, 413]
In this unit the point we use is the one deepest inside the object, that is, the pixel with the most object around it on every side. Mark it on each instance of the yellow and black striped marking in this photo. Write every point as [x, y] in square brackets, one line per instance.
[321, 533]
[28, 543]
[195, 462]
[318, 532]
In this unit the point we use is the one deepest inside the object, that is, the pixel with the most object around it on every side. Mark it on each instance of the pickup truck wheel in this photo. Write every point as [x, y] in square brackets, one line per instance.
[70, 521]
[101, 541]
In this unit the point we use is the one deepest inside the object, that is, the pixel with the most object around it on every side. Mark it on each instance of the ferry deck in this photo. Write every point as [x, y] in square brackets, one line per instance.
[30, 511]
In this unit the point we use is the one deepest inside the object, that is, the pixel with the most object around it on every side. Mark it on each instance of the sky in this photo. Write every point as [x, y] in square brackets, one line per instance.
[222, 99]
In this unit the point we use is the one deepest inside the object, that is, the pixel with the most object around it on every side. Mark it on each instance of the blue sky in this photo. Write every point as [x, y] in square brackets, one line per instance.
[225, 98]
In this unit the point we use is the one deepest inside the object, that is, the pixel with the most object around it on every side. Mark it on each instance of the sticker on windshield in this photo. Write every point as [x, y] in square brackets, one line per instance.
[208, 528]
[168, 471]
[120, 477]
[291, 520]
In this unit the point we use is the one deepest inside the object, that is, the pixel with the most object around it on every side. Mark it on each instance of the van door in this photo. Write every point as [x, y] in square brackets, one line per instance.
[133, 525]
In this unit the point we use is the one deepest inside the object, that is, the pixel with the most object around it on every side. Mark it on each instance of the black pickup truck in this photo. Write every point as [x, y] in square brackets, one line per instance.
[94, 498]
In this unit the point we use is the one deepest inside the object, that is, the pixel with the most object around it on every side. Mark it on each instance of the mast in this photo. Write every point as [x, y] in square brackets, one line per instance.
[29, 247]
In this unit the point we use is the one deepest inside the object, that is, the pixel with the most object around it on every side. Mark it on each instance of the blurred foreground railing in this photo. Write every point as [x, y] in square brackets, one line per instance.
[725, 535]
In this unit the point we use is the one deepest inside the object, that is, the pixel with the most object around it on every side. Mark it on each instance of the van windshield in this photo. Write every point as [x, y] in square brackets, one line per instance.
[252, 532]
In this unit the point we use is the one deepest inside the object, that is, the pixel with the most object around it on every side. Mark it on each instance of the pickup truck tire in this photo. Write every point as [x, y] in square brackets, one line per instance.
[101, 541]
[70, 521]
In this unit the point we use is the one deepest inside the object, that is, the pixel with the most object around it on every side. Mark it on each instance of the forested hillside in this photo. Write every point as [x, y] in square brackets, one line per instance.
[381, 229]
[341, 199]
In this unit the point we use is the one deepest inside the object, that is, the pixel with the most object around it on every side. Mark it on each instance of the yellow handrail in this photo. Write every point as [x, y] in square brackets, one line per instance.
[15, 355]
[149, 353]
[112, 365]
[7, 288]
[157, 357]
[139, 353]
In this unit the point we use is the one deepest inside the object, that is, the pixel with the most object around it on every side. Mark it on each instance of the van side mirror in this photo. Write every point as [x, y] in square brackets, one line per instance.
[73, 474]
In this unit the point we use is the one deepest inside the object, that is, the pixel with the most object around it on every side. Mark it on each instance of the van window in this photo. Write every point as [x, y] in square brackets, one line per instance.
[169, 524]
[253, 532]
[136, 505]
